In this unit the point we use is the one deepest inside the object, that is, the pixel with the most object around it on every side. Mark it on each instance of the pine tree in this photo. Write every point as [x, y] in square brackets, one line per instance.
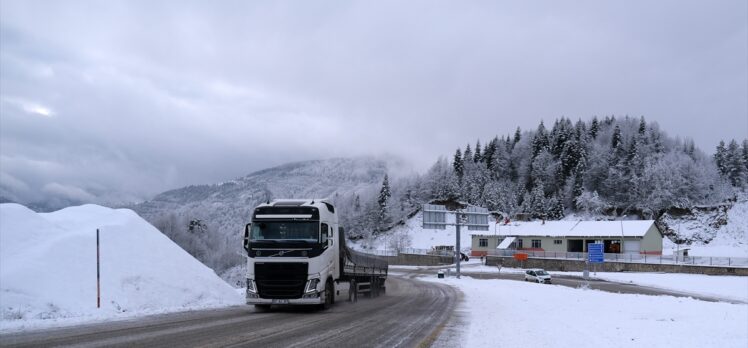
[477, 157]
[488, 152]
[656, 142]
[617, 139]
[720, 158]
[468, 154]
[642, 126]
[735, 165]
[540, 141]
[554, 208]
[517, 137]
[459, 166]
[594, 128]
[384, 196]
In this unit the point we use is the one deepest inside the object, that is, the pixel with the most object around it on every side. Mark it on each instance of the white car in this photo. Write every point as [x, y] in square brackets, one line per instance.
[537, 275]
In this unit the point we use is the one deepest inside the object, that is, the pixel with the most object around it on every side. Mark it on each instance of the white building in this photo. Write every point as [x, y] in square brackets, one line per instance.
[637, 236]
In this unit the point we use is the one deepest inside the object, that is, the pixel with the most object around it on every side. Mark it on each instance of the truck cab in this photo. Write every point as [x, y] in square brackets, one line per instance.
[292, 253]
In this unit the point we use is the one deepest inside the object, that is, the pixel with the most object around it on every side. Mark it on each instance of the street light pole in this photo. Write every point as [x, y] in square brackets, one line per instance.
[622, 236]
[457, 243]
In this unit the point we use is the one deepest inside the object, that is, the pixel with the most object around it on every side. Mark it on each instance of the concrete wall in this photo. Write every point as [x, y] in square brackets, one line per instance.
[578, 266]
[418, 260]
[652, 241]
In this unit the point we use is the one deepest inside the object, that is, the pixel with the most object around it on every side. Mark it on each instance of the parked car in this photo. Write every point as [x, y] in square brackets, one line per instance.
[537, 275]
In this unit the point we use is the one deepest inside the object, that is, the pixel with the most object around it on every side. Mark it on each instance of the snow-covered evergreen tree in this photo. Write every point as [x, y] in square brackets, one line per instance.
[382, 201]
[594, 127]
[477, 157]
[458, 164]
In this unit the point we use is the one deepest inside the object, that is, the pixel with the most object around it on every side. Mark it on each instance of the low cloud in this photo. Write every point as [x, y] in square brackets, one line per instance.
[134, 98]
[68, 192]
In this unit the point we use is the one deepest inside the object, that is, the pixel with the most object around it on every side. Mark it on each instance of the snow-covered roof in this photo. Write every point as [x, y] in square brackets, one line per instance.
[629, 228]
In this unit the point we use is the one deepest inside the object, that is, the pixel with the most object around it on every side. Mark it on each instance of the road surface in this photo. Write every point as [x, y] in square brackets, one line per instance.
[410, 314]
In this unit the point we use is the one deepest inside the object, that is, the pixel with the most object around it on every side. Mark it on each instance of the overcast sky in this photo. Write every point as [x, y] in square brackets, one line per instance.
[122, 100]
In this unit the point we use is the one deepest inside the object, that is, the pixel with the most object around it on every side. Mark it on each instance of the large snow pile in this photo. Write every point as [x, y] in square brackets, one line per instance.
[517, 314]
[48, 268]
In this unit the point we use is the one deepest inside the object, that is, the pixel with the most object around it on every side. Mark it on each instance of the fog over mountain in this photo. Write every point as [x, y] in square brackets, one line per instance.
[116, 101]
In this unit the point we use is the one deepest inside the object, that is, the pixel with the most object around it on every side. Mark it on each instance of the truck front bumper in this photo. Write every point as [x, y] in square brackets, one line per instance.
[294, 301]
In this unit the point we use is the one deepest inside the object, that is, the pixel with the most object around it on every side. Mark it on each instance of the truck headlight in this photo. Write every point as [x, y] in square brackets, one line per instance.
[311, 285]
[251, 287]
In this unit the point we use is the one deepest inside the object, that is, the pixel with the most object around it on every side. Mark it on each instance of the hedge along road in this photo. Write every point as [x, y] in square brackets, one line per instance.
[411, 314]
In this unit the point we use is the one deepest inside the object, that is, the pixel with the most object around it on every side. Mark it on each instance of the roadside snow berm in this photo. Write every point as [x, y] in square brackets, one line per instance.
[48, 267]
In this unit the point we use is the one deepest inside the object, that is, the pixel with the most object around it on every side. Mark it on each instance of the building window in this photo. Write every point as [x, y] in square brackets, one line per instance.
[557, 241]
[483, 242]
[536, 243]
[519, 244]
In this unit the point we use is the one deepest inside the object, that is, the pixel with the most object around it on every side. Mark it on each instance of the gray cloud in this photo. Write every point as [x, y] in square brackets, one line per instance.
[119, 100]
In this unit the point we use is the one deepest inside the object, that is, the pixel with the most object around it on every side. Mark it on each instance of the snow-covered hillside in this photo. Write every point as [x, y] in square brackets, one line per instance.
[225, 208]
[48, 268]
[706, 235]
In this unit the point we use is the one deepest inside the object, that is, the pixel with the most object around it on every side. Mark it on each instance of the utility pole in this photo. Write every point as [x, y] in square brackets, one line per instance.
[457, 243]
[434, 217]
[98, 273]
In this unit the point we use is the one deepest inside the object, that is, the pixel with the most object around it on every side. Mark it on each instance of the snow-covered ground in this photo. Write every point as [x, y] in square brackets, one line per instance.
[517, 314]
[48, 269]
[725, 287]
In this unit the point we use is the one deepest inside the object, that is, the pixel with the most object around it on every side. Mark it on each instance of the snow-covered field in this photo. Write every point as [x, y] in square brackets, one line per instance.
[724, 287]
[48, 269]
[509, 313]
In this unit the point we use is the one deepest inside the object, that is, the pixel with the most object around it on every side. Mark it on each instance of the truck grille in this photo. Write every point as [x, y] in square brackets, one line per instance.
[281, 280]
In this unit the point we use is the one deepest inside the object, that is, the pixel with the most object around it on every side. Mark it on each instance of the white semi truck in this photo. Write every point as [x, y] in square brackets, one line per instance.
[296, 255]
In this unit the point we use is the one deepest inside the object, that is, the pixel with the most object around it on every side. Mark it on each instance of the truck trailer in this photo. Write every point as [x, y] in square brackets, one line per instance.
[297, 255]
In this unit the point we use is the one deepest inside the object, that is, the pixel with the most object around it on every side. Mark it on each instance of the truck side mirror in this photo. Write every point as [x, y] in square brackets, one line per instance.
[246, 236]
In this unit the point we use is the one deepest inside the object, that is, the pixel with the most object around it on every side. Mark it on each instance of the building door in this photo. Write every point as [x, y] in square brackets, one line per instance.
[632, 246]
[575, 246]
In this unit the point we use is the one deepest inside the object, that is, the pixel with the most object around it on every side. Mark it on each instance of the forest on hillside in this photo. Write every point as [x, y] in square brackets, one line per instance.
[601, 167]
[612, 166]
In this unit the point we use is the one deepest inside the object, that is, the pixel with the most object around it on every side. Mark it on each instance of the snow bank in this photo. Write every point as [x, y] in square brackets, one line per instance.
[517, 314]
[48, 268]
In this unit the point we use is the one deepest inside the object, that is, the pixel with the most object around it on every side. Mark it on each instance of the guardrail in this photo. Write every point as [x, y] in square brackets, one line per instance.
[413, 251]
[632, 258]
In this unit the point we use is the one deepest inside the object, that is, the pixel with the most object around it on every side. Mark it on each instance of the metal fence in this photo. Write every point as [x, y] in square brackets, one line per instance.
[633, 258]
[415, 251]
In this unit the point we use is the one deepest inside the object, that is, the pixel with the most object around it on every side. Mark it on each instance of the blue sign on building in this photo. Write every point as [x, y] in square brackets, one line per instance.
[595, 253]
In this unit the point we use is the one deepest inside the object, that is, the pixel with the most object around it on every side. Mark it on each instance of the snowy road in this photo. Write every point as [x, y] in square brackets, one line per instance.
[412, 313]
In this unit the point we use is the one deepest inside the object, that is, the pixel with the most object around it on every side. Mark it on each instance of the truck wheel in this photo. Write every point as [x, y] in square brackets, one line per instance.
[328, 296]
[352, 293]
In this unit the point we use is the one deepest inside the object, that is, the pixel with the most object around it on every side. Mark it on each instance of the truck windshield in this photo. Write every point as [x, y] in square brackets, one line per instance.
[285, 230]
